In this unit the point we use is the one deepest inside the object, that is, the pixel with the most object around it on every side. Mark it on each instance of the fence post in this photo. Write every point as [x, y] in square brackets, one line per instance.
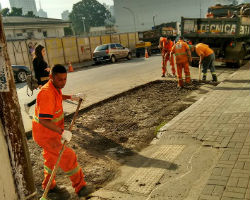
[63, 52]
[79, 60]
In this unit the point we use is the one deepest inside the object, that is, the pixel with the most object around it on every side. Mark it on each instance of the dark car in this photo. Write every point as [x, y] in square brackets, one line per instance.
[20, 72]
[111, 52]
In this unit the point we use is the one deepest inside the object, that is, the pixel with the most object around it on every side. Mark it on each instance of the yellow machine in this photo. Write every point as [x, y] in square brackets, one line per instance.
[141, 47]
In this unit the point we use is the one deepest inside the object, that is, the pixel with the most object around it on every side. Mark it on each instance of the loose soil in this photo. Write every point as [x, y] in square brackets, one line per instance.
[107, 133]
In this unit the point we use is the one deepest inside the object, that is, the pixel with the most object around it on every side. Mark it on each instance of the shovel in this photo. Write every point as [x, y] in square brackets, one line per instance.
[45, 193]
[199, 72]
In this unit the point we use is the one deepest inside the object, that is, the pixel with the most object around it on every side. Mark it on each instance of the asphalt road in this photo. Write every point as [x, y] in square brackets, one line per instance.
[102, 81]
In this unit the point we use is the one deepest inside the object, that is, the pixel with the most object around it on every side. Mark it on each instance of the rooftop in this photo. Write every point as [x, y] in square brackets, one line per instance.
[14, 20]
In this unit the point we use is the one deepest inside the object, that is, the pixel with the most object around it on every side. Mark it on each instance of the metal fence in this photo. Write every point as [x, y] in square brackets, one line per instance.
[66, 49]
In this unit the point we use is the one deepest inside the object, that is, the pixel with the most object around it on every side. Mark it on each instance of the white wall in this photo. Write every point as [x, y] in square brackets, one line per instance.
[7, 186]
[51, 32]
[163, 10]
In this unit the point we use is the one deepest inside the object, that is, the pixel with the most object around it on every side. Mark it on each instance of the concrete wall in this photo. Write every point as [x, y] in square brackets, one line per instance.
[142, 12]
[7, 186]
[37, 33]
[66, 49]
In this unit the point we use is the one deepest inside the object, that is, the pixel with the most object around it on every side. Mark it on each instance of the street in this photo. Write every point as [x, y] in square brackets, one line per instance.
[105, 80]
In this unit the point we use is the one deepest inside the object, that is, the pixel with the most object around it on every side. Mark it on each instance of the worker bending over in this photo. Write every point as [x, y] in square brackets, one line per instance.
[207, 58]
[182, 59]
[48, 130]
[165, 45]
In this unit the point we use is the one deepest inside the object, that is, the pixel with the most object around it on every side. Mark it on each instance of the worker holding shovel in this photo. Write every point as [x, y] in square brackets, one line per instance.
[48, 131]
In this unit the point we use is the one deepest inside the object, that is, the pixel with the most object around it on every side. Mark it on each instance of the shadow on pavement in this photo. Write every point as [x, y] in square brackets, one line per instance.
[237, 81]
[232, 88]
[119, 151]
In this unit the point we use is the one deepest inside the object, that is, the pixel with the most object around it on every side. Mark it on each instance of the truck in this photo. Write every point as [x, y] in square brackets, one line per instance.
[170, 29]
[227, 34]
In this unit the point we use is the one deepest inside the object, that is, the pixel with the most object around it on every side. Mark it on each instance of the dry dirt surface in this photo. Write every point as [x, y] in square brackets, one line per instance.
[107, 133]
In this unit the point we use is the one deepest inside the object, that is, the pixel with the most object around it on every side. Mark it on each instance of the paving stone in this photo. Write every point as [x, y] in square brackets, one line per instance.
[226, 172]
[241, 171]
[234, 195]
[243, 182]
[247, 166]
[238, 175]
[239, 165]
[233, 181]
[208, 189]
[207, 197]
[218, 190]
[217, 171]
[236, 189]
[217, 182]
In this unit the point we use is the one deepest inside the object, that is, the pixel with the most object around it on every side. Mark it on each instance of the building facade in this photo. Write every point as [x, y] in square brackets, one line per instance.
[33, 28]
[26, 5]
[138, 15]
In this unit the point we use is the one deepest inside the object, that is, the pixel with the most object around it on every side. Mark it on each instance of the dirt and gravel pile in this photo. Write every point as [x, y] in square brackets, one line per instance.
[105, 134]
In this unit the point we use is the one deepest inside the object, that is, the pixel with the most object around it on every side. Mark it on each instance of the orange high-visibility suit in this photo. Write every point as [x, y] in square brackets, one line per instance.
[49, 106]
[182, 58]
[166, 46]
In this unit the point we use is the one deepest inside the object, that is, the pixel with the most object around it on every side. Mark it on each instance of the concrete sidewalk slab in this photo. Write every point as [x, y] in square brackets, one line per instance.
[218, 127]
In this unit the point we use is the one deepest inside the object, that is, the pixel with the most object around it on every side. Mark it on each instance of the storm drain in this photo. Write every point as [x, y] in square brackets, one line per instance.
[148, 175]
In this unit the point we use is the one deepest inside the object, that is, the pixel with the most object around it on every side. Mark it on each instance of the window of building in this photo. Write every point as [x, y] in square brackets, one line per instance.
[30, 34]
[45, 33]
[19, 34]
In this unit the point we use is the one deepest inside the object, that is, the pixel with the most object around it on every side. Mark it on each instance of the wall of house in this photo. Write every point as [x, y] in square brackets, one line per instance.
[37, 33]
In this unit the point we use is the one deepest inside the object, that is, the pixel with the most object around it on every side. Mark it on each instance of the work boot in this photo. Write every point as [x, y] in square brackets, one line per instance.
[163, 75]
[214, 78]
[58, 193]
[85, 191]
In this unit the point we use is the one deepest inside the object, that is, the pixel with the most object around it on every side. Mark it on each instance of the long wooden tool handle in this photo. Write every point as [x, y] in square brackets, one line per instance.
[60, 154]
[199, 72]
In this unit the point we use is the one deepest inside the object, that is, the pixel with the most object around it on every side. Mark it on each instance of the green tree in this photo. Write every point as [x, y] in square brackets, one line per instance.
[5, 12]
[88, 13]
[16, 12]
[29, 14]
[68, 31]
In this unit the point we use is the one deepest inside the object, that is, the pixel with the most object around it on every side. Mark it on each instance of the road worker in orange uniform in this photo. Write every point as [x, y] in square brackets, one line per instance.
[48, 130]
[182, 59]
[165, 44]
[207, 58]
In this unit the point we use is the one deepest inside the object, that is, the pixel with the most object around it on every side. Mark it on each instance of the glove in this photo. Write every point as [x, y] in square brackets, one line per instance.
[76, 97]
[66, 135]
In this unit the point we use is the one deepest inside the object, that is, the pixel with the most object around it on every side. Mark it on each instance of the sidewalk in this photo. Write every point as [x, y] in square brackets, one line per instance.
[202, 154]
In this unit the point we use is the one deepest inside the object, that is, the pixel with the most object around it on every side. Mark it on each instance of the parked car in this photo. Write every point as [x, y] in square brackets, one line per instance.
[111, 52]
[20, 72]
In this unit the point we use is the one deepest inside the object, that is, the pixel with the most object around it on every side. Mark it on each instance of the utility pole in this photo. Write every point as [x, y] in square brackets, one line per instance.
[83, 21]
[11, 119]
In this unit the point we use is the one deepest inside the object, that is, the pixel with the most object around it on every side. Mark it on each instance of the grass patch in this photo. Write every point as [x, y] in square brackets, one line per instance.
[159, 127]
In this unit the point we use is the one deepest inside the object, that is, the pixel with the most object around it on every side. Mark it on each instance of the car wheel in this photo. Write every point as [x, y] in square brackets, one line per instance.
[113, 59]
[129, 57]
[21, 76]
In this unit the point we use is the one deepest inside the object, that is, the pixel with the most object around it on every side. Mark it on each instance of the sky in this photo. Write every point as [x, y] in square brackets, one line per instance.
[54, 8]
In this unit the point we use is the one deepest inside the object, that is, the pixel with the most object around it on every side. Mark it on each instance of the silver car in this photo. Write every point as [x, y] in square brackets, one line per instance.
[111, 52]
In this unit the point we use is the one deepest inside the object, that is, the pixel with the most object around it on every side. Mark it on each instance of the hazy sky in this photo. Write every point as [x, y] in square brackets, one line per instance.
[54, 8]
